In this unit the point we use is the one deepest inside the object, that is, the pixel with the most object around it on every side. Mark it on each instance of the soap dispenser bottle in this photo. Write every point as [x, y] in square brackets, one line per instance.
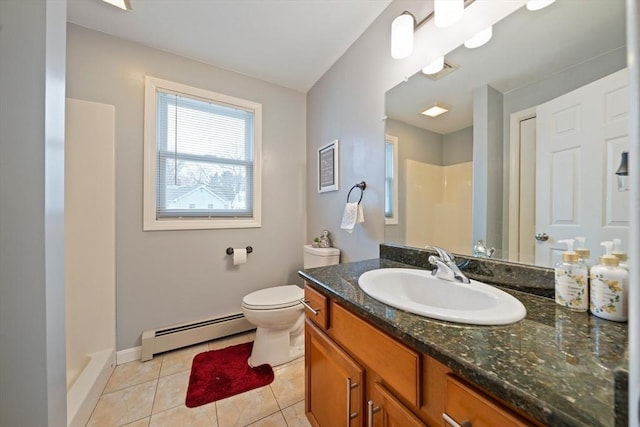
[609, 286]
[571, 280]
[584, 254]
[618, 253]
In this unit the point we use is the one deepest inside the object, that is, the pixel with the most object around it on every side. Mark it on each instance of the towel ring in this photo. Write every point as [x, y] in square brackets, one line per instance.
[362, 186]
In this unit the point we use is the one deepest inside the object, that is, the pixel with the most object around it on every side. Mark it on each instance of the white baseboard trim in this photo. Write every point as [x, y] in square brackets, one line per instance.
[128, 355]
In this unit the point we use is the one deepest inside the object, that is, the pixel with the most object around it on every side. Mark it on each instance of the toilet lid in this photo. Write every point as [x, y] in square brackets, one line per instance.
[276, 297]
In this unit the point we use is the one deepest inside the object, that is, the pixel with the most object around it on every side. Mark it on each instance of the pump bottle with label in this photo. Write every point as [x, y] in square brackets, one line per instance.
[609, 287]
[618, 253]
[571, 275]
[584, 254]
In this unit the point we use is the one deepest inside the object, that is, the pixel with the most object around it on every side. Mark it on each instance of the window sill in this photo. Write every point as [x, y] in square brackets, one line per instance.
[199, 224]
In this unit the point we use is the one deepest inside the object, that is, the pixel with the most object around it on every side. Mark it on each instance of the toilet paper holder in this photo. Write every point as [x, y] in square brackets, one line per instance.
[229, 250]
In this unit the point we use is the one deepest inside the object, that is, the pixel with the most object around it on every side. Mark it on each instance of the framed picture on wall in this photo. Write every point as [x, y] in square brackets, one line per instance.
[328, 167]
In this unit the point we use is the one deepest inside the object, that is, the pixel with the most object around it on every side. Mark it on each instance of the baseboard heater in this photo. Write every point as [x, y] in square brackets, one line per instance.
[160, 340]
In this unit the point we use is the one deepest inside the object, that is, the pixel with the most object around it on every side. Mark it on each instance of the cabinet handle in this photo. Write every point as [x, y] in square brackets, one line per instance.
[308, 307]
[453, 422]
[370, 411]
[350, 415]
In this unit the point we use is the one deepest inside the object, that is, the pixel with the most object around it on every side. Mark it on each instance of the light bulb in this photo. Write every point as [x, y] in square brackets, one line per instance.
[538, 4]
[447, 12]
[122, 4]
[480, 38]
[435, 66]
[402, 36]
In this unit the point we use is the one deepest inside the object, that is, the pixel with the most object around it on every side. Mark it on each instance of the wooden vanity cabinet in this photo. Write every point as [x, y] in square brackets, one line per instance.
[386, 410]
[357, 375]
[334, 383]
[466, 404]
[317, 307]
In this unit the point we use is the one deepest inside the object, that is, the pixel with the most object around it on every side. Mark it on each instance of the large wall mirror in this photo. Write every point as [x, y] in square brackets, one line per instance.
[527, 152]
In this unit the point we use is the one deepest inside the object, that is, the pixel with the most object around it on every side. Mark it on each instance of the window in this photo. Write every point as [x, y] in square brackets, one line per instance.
[202, 158]
[390, 180]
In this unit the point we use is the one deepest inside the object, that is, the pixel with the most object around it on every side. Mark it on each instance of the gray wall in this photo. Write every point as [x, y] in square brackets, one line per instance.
[457, 147]
[32, 335]
[416, 143]
[168, 277]
[487, 167]
[347, 103]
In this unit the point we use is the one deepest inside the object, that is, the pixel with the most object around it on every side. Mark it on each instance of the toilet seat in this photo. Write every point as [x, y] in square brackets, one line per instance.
[273, 298]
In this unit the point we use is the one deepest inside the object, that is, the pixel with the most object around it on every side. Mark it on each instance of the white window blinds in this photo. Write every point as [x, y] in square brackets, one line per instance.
[204, 157]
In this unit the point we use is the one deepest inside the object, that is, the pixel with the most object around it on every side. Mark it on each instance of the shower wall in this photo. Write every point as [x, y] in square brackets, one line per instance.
[89, 253]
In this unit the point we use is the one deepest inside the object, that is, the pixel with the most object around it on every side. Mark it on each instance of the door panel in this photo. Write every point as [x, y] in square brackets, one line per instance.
[580, 136]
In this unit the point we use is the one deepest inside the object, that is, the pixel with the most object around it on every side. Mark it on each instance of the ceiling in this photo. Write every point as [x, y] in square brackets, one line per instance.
[526, 47]
[291, 43]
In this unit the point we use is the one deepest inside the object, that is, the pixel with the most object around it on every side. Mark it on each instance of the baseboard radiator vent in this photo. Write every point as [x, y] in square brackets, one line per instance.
[160, 340]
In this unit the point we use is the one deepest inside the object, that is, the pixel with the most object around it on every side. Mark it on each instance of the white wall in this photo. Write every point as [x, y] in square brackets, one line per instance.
[32, 337]
[633, 42]
[436, 195]
[168, 277]
[89, 232]
[545, 90]
[347, 103]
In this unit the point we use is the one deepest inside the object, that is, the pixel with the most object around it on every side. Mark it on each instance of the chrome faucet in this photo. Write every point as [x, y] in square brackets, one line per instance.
[445, 266]
[481, 251]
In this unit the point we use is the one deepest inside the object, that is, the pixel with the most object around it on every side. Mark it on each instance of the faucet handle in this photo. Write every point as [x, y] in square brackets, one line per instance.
[480, 250]
[444, 255]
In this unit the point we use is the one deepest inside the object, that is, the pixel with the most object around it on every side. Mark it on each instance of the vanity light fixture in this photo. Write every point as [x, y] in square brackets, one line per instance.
[435, 111]
[122, 4]
[447, 12]
[402, 35]
[480, 38]
[623, 172]
[538, 4]
[403, 27]
[435, 66]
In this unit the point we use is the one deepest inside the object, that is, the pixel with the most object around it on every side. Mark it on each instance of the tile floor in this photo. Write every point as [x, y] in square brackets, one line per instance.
[152, 394]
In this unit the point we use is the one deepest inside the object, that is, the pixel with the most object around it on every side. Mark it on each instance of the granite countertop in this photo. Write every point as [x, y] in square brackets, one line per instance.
[556, 365]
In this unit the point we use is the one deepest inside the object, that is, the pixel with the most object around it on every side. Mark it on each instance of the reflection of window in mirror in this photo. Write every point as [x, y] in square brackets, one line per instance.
[390, 180]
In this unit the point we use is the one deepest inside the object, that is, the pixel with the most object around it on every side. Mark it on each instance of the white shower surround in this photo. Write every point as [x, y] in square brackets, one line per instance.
[89, 254]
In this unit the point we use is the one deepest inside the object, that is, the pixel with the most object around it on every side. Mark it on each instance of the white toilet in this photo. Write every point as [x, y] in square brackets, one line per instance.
[279, 316]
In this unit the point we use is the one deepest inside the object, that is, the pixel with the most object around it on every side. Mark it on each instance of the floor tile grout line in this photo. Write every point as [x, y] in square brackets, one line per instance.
[155, 393]
[159, 375]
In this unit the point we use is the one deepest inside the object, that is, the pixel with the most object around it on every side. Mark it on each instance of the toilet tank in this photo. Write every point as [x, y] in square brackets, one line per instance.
[319, 257]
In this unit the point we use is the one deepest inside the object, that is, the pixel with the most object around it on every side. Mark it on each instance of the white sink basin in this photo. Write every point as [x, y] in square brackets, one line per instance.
[418, 292]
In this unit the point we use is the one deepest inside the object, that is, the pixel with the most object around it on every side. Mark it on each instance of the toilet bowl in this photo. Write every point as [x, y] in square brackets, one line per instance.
[278, 316]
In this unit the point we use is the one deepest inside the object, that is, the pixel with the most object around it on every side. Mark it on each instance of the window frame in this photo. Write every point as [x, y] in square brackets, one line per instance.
[393, 219]
[150, 220]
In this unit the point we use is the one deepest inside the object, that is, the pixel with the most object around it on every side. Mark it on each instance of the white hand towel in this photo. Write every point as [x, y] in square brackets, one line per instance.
[360, 219]
[349, 217]
[353, 214]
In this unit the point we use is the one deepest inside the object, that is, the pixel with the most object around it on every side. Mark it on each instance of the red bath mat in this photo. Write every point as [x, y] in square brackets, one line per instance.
[218, 374]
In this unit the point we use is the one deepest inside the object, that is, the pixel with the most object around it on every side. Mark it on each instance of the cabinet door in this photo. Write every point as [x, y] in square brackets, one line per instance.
[398, 364]
[387, 411]
[467, 406]
[333, 383]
